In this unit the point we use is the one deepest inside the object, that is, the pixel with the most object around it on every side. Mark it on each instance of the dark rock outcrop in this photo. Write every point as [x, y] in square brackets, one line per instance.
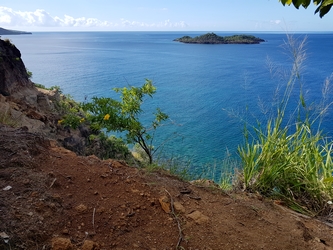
[13, 74]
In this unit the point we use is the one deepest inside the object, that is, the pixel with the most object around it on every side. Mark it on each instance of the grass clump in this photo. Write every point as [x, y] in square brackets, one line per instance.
[289, 157]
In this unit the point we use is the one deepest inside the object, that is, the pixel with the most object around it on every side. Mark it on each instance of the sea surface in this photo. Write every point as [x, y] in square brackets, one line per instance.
[209, 91]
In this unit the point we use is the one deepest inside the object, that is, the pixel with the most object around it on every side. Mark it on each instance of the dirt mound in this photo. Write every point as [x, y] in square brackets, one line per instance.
[52, 199]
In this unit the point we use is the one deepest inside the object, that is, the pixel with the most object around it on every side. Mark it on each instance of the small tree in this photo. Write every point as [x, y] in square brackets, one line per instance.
[123, 116]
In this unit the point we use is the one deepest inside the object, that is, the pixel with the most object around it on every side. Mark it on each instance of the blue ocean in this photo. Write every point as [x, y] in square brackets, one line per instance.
[209, 91]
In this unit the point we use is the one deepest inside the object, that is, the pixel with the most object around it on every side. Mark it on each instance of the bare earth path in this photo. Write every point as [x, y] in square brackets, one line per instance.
[57, 200]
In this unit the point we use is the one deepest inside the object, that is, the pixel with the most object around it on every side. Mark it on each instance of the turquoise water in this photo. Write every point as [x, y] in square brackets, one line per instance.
[196, 84]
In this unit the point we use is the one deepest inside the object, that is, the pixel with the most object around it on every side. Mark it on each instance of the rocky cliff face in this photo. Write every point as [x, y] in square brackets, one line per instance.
[18, 96]
[36, 110]
[13, 74]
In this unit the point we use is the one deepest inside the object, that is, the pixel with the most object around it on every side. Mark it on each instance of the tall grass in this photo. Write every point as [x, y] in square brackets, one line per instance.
[289, 157]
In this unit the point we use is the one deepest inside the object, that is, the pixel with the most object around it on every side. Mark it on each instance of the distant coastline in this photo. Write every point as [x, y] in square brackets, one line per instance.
[212, 38]
[13, 32]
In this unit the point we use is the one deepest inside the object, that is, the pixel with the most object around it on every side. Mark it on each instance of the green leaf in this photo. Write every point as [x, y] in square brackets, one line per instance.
[306, 3]
[327, 2]
[302, 101]
[317, 2]
[297, 3]
[324, 10]
[284, 2]
[329, 179]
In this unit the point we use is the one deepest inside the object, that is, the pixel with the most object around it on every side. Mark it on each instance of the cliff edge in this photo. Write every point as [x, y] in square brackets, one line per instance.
[13, 74]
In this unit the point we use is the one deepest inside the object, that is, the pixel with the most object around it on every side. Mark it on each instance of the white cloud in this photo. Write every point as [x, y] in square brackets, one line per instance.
[41, 18]
[164, 24]
[276, 21]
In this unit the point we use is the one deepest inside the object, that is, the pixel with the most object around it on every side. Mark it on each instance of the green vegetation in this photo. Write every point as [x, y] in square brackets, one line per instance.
[290, 158]
[175, 166]
[73, 115]
[41, 86]
[324, 6]
[29, 73]
[109, 147]
[212, 38]
[98, 143]
[104, 114]
[123, 116]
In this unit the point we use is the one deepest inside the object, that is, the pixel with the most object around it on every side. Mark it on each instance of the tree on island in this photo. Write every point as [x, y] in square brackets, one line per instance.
[212, 38]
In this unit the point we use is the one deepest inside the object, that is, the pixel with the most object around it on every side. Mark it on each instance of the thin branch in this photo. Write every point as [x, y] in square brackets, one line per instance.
[181, 236]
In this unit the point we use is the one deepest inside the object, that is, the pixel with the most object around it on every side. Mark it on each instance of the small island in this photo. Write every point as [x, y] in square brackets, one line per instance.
[12, 32]
[212, 38]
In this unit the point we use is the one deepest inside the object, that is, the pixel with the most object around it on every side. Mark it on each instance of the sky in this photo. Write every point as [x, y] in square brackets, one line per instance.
[160, 15]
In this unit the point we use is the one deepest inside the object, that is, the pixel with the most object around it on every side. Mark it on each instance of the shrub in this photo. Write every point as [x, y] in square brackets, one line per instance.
[123, 116]
[108, 147]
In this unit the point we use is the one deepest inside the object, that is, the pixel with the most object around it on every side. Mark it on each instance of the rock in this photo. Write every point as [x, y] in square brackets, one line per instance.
[205, 183]
[32, 114]
[179, 207]
[61, 244]
[5, 237]
[44, 102]
[2, 99]
[74, 143]
[81, 208]
[84, 131]
[198, 217]
[90, 245]
[118, 164]
[165, 204]
[52, 95]
[30, 98]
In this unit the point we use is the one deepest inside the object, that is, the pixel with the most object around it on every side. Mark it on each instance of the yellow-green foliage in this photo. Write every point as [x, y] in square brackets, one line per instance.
[124, 115]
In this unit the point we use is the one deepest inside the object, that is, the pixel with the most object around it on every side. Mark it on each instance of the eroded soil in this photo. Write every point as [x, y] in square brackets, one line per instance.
[52, 199]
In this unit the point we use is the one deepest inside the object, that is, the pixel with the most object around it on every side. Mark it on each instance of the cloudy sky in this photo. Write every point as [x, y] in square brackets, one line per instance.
[159, 15]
